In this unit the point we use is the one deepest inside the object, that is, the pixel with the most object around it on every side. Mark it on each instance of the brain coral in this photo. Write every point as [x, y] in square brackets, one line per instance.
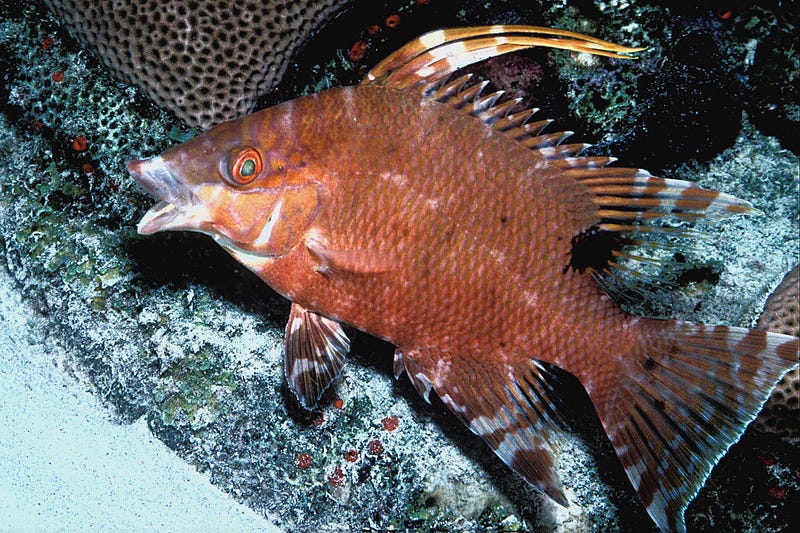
[207, 61]
[781, 413]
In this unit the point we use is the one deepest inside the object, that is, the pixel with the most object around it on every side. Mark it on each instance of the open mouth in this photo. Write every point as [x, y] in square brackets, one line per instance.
[156, 179]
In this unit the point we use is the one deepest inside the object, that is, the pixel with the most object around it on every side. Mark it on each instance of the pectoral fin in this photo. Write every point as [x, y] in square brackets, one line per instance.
[359, 261]
[314, 354]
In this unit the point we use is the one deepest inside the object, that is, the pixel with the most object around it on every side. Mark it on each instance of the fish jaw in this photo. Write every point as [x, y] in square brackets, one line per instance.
[177, 207]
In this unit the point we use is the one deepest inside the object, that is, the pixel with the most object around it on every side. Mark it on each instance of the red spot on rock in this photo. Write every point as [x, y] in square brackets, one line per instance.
[304, 461]
[338, 403]
[390, 423]
[47, 43]
[79, 143]
[337, 477]
[318, 419]
[351, 456]
[357, 51]
[87, 170]
[777, 492]
[766, 460]
[392, 21]
[375, 447]
[58, 76]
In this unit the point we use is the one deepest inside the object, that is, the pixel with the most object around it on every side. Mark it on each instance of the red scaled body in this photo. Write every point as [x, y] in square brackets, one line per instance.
[415, 211]
[448, 238]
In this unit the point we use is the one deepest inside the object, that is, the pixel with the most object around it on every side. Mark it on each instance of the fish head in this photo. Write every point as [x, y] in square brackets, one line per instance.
[243, 185]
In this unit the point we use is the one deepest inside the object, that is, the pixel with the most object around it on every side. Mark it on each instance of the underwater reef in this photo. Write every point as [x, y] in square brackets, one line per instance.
[202, 60]
[170, 329]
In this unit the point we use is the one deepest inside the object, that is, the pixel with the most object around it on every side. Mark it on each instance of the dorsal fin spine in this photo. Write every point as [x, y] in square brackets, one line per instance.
[529, 129]
[468, 95]
[437, 54]
[583, 162]
[546, 140]
[562, 151]
[498, 112]
[515, 120]
[485, 103]
[444, 92]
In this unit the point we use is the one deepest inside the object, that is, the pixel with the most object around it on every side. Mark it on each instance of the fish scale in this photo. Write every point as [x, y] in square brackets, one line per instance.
[465, 229]
[418, 211]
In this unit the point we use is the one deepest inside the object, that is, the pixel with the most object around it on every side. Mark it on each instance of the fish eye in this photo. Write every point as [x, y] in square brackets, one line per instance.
[245, 164]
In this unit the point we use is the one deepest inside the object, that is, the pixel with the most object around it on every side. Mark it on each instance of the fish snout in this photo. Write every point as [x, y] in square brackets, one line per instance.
[174, 198]
[154, 177]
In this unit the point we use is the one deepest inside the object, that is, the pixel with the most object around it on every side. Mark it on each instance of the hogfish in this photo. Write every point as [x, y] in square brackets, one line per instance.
[414, 209]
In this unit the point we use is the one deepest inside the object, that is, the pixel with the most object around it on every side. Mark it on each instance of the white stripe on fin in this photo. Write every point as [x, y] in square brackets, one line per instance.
[434, 56]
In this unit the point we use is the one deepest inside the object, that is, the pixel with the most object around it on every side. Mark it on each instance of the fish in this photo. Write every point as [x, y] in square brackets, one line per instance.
[420, 211]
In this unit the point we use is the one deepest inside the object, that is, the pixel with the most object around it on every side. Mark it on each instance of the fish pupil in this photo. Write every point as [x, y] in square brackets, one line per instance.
[248, 167]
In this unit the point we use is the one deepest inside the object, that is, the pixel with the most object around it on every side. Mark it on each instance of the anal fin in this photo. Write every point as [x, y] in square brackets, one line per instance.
[314, 354]
[415, 373]
[513, 408]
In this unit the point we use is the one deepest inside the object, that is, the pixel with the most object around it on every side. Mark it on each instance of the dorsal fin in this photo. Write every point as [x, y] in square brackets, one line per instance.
[626, 201]
[629, 199]
[426, 63]
[465, 98]
[498, 112]
[449, 89]
[629, 243]
[430, 59]
[516, 120]
[527, 129]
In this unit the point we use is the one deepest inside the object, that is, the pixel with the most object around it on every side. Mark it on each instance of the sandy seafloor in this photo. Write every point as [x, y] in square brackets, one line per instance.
[65, 466]
[141, 382]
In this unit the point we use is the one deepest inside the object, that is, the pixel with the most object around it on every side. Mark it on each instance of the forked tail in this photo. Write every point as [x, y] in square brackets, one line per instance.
[682, 401]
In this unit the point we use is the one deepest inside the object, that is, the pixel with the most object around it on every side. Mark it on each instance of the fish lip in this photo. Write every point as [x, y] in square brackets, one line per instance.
[153, 176]
[159, 217]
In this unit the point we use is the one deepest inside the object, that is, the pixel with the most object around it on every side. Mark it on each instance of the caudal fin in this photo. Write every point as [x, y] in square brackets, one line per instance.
[682, 401]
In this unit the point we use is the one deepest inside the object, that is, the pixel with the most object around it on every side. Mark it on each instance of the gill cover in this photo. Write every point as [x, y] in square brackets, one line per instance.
[286, 224]
[263, 208]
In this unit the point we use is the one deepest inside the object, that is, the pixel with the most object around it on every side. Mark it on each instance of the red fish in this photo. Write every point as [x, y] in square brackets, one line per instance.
[414, 209]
